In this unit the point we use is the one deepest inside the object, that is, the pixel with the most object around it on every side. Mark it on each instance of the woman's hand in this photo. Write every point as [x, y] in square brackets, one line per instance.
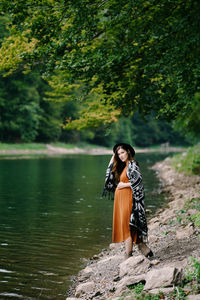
[122, 185]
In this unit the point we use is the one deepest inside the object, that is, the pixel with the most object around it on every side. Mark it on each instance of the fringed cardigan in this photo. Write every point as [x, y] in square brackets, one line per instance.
[137, 219]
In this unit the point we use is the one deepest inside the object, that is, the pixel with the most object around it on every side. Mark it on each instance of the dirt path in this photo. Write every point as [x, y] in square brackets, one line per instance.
[171, 237]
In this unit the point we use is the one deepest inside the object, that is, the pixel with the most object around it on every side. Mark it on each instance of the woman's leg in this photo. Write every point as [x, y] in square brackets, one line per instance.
[129, 246]
[145, 250]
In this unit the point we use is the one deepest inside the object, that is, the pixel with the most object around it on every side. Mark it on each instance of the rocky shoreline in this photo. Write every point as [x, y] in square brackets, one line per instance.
[172, 239]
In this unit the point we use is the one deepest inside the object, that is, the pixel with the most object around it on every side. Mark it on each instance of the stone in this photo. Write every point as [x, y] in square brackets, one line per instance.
[127, 281]
[153, 226]
[165, 291]
[193, 297]
[154, 262]
[167, 215]
[154, 223]
[184, 232]
[121, 291]
[177, 204]
[178, 264]
[84, 288]
[71, 298]
[110, 259]
[130, 297]
[114, 246]
[192, 211]
[163, 277]
[134, 265]
[86, 273]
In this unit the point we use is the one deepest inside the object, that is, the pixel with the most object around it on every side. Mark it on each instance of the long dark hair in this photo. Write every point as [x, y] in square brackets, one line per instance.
[118, 165]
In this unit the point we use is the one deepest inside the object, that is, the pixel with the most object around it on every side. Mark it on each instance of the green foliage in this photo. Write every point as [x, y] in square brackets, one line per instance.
[193, 203]
[21, 146]
[144, 296]
[138, 288]
[178, 294]
[19, 105]
[191, 122]
[143, 54]
[188, 162]
[180, 215]
[24, 115]
[192, 276]
[196, 219]
[193, 271]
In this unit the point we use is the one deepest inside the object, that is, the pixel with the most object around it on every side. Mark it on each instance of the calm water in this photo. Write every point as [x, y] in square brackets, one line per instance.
[51, 216]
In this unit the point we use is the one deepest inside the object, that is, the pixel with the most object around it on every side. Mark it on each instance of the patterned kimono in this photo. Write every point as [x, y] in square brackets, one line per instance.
[137, 219]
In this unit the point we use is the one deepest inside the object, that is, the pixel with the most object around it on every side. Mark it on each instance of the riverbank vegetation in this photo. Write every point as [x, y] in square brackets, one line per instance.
[188, 162]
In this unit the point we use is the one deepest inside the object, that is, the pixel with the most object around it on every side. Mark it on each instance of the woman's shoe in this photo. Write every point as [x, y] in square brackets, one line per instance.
[146, 251]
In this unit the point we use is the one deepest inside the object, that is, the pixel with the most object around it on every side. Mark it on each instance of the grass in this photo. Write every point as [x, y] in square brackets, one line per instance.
[189, 161]
[42, 146]
[62, 145]
[23, 146]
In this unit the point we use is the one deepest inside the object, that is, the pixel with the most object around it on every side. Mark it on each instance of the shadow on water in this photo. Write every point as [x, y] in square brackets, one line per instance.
[52, 215]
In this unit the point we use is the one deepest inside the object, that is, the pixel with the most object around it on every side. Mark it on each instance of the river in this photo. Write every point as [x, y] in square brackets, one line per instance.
[52, 216]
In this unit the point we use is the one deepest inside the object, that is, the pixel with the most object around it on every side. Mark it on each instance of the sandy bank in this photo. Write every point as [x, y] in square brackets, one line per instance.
[54, 151]
[172, 237]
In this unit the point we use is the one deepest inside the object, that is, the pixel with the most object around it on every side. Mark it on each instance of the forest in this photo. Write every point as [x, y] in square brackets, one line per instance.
[100, 71]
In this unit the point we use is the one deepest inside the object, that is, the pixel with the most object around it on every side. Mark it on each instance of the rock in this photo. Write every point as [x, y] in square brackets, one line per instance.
[167, 215]
[178, 264]
[163, 290]
[154, 222]
[193, 297]
[122, 290]
[88, 270]
[114, 246]
[84, 288]
[123, 284]
[192, 211]
[134, 266]
[95, 257]
[164, 277]
[153, 226]
[71, 298]
[86, 273]
[130, 297]
[110, 259]
[177, 204]
[184, 232]
[154, 262]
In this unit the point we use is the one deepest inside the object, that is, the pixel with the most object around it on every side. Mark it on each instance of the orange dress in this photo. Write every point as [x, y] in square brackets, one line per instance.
[122, 211]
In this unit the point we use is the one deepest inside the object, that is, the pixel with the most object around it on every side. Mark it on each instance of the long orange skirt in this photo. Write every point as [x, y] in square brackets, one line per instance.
[122, 212]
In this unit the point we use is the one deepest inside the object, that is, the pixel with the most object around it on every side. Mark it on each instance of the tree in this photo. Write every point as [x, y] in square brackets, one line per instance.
[143, 54]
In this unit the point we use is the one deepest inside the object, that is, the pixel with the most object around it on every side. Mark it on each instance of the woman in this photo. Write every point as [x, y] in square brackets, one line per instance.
[123, 177]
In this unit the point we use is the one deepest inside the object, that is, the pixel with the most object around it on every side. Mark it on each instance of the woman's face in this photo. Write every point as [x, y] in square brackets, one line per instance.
[123, 155]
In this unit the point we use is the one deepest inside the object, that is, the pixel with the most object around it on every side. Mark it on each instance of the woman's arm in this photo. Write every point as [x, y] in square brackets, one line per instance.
[122, 185]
